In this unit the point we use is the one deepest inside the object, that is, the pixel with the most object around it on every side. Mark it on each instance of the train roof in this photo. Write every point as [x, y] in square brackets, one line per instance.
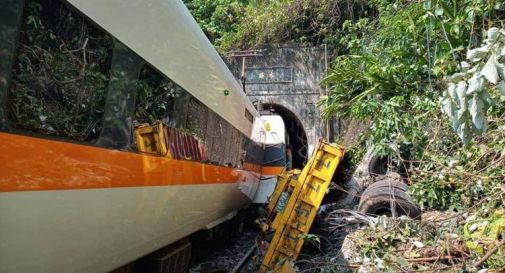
[164, 33]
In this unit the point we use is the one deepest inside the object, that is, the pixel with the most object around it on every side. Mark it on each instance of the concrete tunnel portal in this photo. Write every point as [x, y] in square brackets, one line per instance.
[287, 80]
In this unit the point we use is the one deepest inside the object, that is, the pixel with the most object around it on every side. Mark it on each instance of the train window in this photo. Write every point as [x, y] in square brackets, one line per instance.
[159, 98]
[10, 17]
[249, 116]
[117, 123]
[60, 77]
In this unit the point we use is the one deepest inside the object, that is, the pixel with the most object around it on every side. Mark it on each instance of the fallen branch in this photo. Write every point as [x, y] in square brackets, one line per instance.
[489, 253]
[354, 266]
[428, 259]
[452, 250]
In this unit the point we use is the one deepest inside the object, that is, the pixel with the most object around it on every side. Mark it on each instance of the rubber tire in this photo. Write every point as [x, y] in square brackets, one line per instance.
[376, 199]
[389, 182]
[378, 165]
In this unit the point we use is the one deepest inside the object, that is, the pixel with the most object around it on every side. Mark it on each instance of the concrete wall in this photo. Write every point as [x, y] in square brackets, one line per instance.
[288, 76]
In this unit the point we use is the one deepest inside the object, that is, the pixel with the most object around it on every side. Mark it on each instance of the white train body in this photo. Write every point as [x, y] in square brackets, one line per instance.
[73, 205]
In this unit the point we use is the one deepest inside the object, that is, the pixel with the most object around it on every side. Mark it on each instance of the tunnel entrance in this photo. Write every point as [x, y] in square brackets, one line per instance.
[296, 136]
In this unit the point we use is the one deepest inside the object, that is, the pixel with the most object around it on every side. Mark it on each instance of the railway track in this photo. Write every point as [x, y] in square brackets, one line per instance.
[230, 254]
[292, 209]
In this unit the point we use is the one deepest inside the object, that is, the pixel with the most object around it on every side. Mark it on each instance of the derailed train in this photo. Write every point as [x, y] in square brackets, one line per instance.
[78, 78]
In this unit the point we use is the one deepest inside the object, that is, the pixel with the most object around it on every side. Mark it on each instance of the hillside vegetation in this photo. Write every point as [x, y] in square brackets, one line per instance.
[428, 75]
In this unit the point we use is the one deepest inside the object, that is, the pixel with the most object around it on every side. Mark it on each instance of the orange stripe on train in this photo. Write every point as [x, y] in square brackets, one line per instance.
[31, 164]
[271, 170]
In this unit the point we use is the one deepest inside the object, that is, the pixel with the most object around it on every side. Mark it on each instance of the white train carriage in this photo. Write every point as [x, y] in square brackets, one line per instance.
[78, 78]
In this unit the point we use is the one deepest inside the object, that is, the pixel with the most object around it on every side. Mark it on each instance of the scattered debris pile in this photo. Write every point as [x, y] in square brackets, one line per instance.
[440, 242]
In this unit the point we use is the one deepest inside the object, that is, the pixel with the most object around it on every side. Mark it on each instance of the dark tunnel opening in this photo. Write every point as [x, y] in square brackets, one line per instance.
[295, 132]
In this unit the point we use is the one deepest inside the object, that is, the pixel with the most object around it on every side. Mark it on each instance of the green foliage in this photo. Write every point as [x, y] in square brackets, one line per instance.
[217, 17]
[60, 79]
[450, 176]
[156, 97]
[388, 244]
[392, 74]
[231, 24]
[398, 245]
[353, 156]
[396, 64]
[312, 239]
[468, 98]
[481, 235]
[299, 21]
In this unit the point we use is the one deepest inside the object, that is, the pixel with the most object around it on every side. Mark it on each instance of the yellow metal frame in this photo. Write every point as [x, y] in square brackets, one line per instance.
[306, 193]
[284, 185]
[151, 139]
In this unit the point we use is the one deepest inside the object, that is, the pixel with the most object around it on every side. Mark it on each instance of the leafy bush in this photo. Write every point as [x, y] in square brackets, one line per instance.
[394, 73]
[396, 65]
[217, 18]
[468, 98]
[61, 76]
[232, 24]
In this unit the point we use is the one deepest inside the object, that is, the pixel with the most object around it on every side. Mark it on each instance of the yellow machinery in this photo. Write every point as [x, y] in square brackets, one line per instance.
[162, 140]
[151, 139]
[294, 205]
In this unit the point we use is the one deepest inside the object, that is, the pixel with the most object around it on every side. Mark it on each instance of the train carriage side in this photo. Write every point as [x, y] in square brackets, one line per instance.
[77, 78]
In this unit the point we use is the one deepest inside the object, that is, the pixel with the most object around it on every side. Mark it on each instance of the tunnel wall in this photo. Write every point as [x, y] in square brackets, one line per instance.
[288, 76]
